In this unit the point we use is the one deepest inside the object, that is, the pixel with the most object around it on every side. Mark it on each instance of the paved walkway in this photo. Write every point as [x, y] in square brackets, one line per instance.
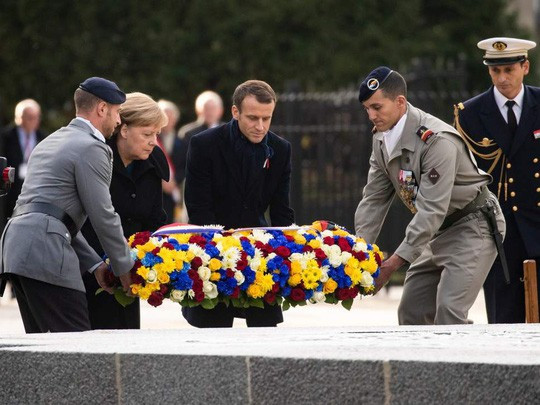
[378, 310]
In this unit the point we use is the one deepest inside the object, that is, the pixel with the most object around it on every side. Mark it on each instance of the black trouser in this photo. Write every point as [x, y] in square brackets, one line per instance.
[46, 307]
[105, 312]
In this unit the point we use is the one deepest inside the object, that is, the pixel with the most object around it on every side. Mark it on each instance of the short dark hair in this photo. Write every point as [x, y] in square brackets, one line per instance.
[84, 101]
[261, 90]
[394, 86]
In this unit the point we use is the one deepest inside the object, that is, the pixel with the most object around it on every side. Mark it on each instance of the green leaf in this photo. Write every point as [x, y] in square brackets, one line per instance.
[286, 305]
[122, 298]
[226, 301]
[208, 304]
[347, 304]
[256, 302]
[330, 299]
[237, 303]
[99, 290]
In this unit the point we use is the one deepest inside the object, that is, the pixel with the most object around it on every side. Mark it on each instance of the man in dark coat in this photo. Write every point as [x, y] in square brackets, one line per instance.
[502, 129]
[17, 143]
[234, 174]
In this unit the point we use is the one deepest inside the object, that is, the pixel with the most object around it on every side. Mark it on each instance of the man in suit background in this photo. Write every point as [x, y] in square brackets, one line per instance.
[502, 128]
[43, 251]
[209, 110]
[16, 144]
[234, 174]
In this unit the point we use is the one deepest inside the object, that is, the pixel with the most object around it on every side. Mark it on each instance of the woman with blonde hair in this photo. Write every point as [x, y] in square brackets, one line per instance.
[138, 169]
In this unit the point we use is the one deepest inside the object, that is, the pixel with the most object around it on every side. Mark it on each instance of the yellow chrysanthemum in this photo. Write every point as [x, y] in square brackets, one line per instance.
[263, 265]
[215, 276]
[229, 242]
[214, 264]
[299, 238]
[296, 268]
[330, 286]
[369, 265]
[341, 232]
[354, 273]
[314, 243]
[144, 293]
[182, 238]
[265, 281]
[294, 279]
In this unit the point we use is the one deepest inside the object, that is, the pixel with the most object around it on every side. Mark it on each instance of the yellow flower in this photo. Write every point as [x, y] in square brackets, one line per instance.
[370, 265]
[314, 243]
[163, 277]
[299, 238]
[144, 293]
[295, 279]
[215, 276]
[143, 272]
[182, 238]
[265, 281]
[330, 286]
[135, 288]
[214, 264]
[296, 268]
[255, 291]
[341, 232]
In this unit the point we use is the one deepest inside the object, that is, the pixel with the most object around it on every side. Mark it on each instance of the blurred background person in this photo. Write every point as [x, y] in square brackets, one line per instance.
[175, 150]
[17, 142]
[136, 192]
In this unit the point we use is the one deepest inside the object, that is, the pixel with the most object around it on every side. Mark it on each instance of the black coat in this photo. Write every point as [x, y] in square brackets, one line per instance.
[516, 180]
[137, 198]
[10, 148]
[215, 194]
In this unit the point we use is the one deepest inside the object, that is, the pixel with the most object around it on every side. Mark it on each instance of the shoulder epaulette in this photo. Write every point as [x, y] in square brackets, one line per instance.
[424, 133]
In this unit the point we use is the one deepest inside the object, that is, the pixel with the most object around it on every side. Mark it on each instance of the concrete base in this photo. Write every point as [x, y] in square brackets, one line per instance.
[451, 364]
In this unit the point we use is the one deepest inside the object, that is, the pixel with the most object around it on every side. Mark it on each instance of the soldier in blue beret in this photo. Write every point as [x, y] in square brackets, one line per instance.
[448, 243]
[67, 181]
[502, 129]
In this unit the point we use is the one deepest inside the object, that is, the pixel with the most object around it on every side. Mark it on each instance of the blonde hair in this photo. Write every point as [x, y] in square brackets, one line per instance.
[141, 110]
[23, 105]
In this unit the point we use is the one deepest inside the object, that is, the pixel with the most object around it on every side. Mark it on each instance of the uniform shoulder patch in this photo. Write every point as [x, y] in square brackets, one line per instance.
[433, 176]
[424, 133]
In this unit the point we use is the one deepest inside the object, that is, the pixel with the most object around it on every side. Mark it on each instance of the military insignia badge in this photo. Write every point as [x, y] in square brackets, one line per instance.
[424, 133]
[536, 134]
[408, 189]
[434, 176]
[373, 84]
[499, 45]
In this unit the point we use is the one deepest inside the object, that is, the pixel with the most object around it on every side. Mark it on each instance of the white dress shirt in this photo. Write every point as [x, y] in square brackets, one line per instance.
[392, 136]
[501, 100]
[96, 131]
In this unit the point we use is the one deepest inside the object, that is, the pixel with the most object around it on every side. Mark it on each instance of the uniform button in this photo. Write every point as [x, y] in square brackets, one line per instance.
[514, 208]
[513, 194]
[510, 180]
[133, 195]
[535, 160]
[67, 235]
[537, 175]
[538, 190]
[508, 165]
[538, 204]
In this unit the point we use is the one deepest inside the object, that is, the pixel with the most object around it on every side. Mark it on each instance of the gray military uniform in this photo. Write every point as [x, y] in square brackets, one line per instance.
[71, 169]
[434, 177]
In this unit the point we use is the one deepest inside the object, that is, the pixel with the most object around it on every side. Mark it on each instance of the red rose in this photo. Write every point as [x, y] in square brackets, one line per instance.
[167, 245]
[360, 256]
[342, 294]
[319, 254]
[236, 292]
[199, 296]
[242, 264]
[230, 273]
[155, 299]
[156, 251]
[328, 240]
[270, 297]
[297, 294]
[289, 238]
[192, 274]
[197, 284]
[344, 245]
[196, 263]
[307, 248]
[275, 288]
[198, 239]
[136, 279]
[353, 292]
[283, 251]
[163, 289]
[378, 259]
[266, 249]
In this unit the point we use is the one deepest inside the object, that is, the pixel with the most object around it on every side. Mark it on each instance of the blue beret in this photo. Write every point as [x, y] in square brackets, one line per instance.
[372, 82]
[104, 89]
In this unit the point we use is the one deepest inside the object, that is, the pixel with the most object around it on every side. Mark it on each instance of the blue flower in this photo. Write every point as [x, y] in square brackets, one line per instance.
[150, 259]
[248, 248]
[180, 280]
[249, 276]
[285, 291]
[211, 250]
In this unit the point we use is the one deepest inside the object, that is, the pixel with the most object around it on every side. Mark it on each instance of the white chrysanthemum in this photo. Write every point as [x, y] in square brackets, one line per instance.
[360, 247]
[204, 273]
[271, 256]
[261, 235]
[199, 252]
[239, 277]
[210, 290]
[178, 295]
[318, 296]
[324, 274]
[366, 280]
[334, 255]
[230, 258]
[255, 263]
[326, 233]
[157, 241]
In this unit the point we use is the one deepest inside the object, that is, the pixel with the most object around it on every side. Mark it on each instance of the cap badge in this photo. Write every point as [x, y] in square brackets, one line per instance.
[499, 45]
[373, 84]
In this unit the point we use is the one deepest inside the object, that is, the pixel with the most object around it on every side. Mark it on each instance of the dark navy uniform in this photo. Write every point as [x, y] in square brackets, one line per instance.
[514, 163]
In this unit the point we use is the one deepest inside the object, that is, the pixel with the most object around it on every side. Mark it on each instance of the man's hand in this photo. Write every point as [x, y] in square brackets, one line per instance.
[388, 267]
[99, 273]
[125, 279]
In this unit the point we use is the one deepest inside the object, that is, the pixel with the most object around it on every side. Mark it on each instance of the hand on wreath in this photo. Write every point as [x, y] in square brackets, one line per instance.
[100, 274]
[388, 267]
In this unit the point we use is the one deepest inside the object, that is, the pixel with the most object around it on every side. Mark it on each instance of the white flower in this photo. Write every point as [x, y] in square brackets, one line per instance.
[366, 280]
[324, 274]
[334, 255]
[345, 256]
[152, 276]
[318, 296]
[326, 233]
[239, 277]
[230, 258]
[204, 273]
[261, 235]
[210, 290]
[191, 293]
[199, 252]
[360, 247]
[178, 295]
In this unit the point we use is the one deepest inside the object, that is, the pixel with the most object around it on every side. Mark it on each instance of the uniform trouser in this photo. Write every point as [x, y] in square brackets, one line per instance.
[443, 283]
[46, 307]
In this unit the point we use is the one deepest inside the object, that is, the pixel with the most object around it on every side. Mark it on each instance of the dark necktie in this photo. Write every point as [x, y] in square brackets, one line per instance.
[512, 122]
